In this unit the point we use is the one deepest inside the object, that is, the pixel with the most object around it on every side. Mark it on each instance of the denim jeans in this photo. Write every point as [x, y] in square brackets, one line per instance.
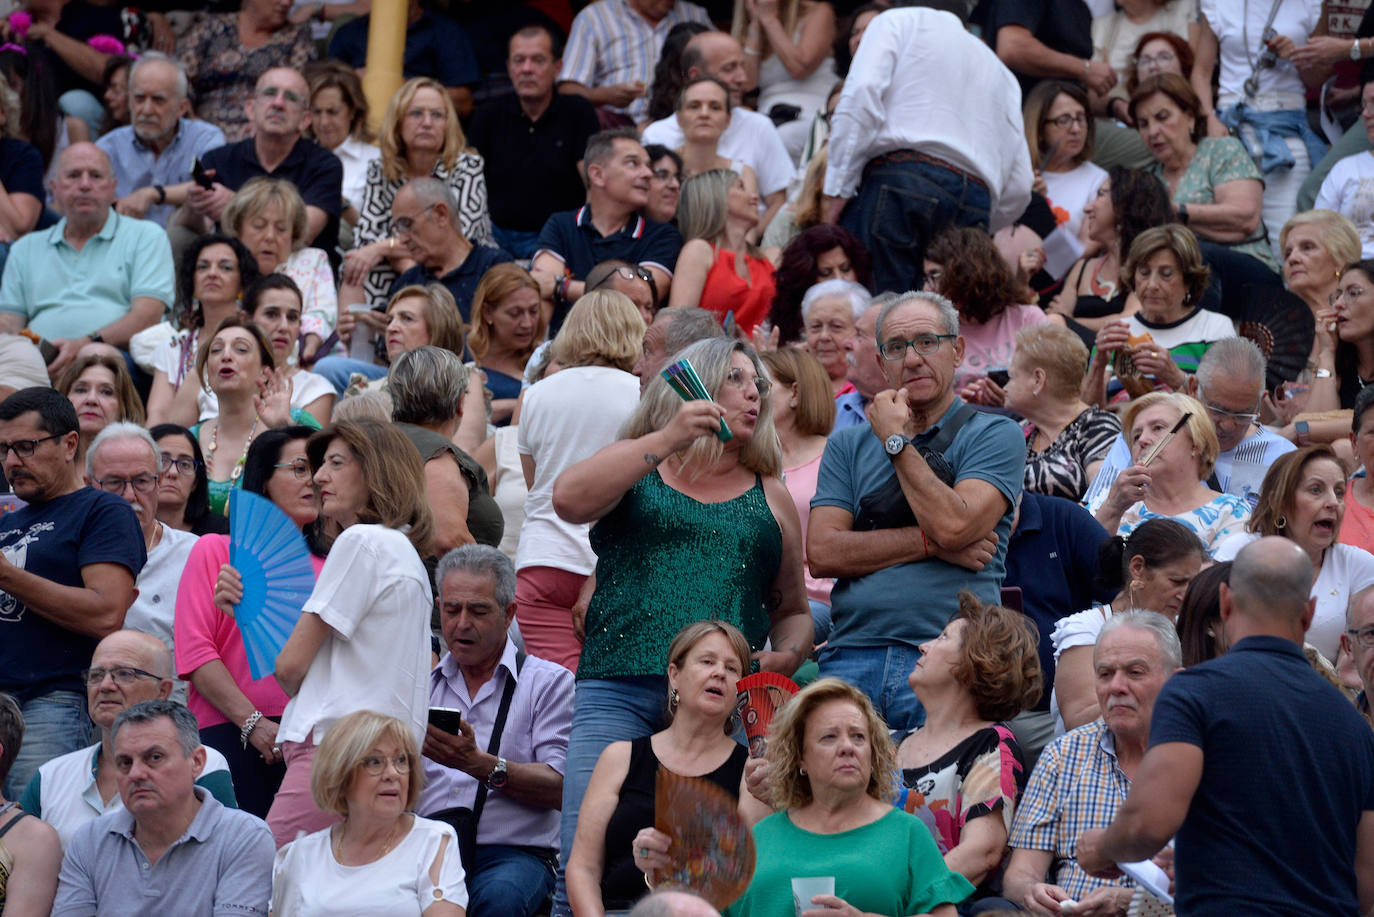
[881, 673]
[604, 711]
[338, 369]
[900, 207]
[508, 882]
[54, 724]
[519, 243]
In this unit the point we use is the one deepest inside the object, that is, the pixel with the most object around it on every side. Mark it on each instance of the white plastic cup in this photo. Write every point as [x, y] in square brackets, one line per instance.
[804, 888]
[360, 343]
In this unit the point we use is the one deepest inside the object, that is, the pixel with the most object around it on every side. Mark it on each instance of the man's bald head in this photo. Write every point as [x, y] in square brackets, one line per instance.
[1271, 581]
[143, 651]
[720, 55]
[674, 904]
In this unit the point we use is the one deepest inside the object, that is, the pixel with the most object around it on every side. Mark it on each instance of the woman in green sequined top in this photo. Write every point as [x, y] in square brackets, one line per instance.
[687, 528]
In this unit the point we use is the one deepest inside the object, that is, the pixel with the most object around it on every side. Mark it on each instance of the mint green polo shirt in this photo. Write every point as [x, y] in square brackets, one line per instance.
[64, 293]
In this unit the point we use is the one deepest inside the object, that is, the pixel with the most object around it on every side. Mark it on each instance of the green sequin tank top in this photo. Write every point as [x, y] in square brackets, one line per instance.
[665, 560]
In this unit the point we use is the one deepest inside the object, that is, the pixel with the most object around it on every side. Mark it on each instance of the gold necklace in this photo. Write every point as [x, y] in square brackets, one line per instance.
[391, 839]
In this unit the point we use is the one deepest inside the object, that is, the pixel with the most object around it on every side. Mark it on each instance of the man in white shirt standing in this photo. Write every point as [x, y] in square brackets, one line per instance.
[921, 139]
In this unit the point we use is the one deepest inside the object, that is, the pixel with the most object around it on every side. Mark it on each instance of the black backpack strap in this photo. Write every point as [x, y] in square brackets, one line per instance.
[494, 746]
[944, 435]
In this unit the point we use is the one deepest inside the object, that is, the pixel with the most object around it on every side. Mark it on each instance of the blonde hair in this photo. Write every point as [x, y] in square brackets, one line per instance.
[256, 195]
[807, 210]
[604, 328]
[739, 20]
[711, 359]
[1059, 352]
[496, 284]
[348, 742]
[815, 410]
[394, 148]
[1339, 236]
[694, 633]
[442, 318]
[788, 786]
[1200, 428]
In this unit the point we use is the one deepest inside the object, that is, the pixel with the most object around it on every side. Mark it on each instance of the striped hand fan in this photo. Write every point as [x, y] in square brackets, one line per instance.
[270, 554]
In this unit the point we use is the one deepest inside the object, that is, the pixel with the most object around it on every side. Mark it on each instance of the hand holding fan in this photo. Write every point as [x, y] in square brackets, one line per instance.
[760, 696]
[272, 559]
[712, 851]
[682, 378]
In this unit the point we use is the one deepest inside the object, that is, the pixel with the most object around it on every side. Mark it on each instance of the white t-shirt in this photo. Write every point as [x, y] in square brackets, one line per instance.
[308, 882]
[566, 418]
[1349, 190]
[508, 488]
[1072, 190]
[155, 606]
[1115, 37]
[355, 155]
[1346, 570]
[1204, 326]
[1079, 629]
[1239, 27]
[750, 137]
[375, 594]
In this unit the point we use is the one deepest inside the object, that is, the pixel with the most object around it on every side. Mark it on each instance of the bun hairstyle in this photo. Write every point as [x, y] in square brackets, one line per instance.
[1158, 541]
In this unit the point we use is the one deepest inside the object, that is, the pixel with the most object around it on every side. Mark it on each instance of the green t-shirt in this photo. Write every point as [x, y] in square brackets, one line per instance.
[1217, 161]
[889, 867]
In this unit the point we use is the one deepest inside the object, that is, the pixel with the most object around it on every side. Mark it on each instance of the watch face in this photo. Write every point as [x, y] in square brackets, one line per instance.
[894, 444]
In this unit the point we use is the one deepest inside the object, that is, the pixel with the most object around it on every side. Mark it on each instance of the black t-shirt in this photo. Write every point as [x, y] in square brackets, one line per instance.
[21, 168]
[315, 171]
[461, 281]
[1061, 25]
[81, 20]
[531, 166]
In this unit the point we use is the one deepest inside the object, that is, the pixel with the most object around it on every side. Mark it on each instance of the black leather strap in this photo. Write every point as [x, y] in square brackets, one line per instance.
[494, 746]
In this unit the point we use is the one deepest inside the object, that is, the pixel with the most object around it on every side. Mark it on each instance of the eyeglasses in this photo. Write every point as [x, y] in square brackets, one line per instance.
[1161, 59]
[637, 272]
[668, 175]
[300, 468]
[924, 345]
[735, 379]
[1349, 293]
[373, 765]
[182, 465]
[288, 95]
[143, 483]
[1240, 418]
[1364, 636]
[404, 225]
[123, 675]
[24, 447]
[1064, 122]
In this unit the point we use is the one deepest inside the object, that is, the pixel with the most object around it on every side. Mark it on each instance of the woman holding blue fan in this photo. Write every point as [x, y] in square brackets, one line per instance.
[238, 715]
[692, 528]
[362, 640]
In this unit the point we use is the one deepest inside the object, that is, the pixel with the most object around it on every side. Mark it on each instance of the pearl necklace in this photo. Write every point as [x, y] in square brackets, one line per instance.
[238, 466]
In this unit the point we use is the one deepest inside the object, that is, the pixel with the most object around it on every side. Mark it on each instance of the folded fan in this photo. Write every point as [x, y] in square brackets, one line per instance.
[682, 378]
[760, 696]
[712, 851]
[271, 556]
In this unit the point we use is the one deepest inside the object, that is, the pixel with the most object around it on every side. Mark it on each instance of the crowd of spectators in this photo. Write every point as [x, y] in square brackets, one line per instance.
[1037, 336]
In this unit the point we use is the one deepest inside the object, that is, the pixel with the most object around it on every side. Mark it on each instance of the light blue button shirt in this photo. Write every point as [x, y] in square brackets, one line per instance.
[137, 166]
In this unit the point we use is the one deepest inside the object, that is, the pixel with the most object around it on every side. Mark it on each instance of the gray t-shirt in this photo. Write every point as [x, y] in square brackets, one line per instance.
[221, 867]
[911, 603]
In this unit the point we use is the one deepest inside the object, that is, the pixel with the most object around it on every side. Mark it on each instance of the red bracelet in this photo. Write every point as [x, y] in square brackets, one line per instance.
[925, 541]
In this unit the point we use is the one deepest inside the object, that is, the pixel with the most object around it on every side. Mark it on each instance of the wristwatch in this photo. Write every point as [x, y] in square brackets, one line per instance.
[96, 337]
[498, 777]
[1302, 429]
[1355, 52]
[895, 443]
[1322, 374]
[1183, 214]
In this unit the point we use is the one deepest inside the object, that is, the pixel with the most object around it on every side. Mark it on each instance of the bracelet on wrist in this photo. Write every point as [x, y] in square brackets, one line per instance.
[248, 726]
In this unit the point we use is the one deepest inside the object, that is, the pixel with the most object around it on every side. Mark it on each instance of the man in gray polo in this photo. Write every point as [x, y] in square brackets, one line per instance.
[173, 849]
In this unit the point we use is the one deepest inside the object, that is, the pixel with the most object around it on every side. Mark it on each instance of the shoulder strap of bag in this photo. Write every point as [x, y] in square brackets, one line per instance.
[497, 728]
[944, 437]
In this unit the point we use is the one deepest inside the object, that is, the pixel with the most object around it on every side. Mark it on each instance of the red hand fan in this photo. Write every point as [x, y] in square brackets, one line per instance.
[760, 696]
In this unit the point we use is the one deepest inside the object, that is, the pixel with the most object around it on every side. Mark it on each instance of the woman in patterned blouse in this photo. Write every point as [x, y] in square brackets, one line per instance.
[420, 137]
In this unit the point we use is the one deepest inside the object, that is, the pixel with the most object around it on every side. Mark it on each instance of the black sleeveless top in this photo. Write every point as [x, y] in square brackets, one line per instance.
[622, 884]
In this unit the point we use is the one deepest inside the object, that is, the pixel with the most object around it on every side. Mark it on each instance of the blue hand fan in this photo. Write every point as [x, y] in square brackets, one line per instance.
[271, 556]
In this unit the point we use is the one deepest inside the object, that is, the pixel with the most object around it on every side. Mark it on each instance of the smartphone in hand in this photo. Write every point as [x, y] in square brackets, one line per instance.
[447, 719]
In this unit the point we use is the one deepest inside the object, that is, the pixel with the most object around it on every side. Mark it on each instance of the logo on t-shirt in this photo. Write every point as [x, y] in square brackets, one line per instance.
[11, 609]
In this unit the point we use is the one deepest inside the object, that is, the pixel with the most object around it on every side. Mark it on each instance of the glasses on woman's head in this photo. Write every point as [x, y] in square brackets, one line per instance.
[373, 765]
[142, 483]
[735, 378]
[1162, 59]
[1064, 122]
[300, 468]
[182, 465]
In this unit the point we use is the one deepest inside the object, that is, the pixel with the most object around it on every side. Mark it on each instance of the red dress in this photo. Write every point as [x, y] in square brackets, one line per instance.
[725, 291]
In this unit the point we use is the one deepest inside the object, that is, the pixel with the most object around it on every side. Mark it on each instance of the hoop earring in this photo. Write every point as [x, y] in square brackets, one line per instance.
[802, 771]
[673, 700]
[1281, 523]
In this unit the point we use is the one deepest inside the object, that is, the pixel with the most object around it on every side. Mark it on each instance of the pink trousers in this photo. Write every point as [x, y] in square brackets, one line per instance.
[544, 598]
[293, 811]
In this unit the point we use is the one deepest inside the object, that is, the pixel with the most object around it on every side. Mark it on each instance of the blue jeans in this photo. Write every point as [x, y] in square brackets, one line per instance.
[519, 243]
[85, 106]
[900, 207]
[508, 882]
[604, 711]
[338, 369]
[881, 673]
[54, 724]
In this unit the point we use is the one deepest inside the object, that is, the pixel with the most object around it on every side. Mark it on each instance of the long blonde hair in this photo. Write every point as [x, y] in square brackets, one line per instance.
[394, 148]
[739, 22]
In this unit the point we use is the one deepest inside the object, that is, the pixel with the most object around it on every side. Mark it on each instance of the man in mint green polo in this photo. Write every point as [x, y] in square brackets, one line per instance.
[95, 276]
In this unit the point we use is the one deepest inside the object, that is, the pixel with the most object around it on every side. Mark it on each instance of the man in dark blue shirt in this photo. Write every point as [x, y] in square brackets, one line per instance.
[435, 47]
[1263, 770]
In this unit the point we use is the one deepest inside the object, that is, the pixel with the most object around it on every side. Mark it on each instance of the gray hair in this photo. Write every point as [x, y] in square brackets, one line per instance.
[857, 295]
[430, 191]
[480, 560]
[183, 89]
[1237, 357]
[1166, 634]
[369, 404]
[426, 385]
[687, 325]
[121, 429]
[949, 316]
[188, 730]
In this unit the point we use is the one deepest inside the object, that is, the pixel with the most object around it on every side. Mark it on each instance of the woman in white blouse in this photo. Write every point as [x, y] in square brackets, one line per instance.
[338, 120]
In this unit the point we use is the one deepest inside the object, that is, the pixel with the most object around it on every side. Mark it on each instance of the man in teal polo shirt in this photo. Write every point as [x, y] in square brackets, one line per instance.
[96, 275]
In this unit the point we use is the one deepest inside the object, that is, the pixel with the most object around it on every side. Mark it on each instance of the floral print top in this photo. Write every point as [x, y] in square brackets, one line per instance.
[1213, 522]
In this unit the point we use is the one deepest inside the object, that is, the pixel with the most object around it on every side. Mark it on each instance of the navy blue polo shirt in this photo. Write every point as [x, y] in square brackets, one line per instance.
[21, 168]
[461, 281]
[315, 171]
[1288, 770]
[1052, 557]
[572, 239]
[435, 47]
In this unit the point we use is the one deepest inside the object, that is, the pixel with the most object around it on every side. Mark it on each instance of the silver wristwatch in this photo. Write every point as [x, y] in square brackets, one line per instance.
[895, 443]
[497, 778]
